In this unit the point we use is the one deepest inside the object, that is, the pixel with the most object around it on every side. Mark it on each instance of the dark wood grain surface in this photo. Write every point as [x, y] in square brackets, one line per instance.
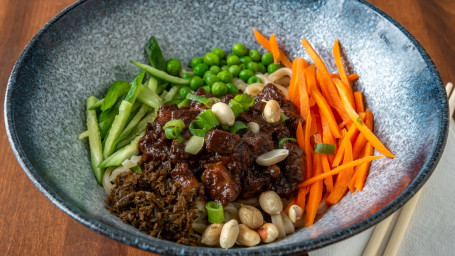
[31, 225]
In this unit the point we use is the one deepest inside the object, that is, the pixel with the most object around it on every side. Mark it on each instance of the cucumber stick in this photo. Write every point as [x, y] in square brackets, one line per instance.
[132, 124]
[140, 127]
[117, 127]
[161, 74]
[96, 149]
[124, 153]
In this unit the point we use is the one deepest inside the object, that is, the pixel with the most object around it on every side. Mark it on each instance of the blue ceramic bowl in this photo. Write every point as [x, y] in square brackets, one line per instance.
[89, 45]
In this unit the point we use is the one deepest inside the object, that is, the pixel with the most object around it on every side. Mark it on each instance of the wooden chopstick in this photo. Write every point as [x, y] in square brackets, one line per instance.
[406, 212]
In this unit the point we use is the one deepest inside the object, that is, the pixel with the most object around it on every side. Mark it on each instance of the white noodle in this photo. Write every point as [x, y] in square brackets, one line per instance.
[254, 89]
[185, 70]
[239, 84]
[107, 185]
[280, 73]
[117, 172]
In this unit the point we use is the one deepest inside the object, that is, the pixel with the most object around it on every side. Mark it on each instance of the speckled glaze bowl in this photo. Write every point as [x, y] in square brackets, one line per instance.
[89, 45]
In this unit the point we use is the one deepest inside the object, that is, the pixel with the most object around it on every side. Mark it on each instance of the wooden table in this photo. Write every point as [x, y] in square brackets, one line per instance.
[31, 225]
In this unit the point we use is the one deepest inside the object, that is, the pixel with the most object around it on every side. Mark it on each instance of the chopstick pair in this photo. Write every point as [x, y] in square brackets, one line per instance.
[405, 213]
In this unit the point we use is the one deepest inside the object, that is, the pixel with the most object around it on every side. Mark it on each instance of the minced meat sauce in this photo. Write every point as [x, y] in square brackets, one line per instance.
[163, 200]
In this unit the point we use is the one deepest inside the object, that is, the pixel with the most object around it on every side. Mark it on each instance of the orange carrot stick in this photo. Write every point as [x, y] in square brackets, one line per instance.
[358, 97]
[308, 148]
[301, 197]
[353, 77]
[341, 185]
[326, 168]
[351, 184]
[303, 92]
[362, 170]
[321, 102]
[293, 90]
[300, 136]
[327, 86]
[342, 72]
[350, 135]
[266, 44]
[361, 140]
[315, 195]
[275, 49]
[337, 170]
[361, 125]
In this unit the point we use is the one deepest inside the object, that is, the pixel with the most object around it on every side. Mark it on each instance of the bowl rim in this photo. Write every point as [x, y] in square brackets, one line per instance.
[167, 247]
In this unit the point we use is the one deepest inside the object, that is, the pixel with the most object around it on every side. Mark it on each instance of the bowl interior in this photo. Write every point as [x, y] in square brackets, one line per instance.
[89, 46]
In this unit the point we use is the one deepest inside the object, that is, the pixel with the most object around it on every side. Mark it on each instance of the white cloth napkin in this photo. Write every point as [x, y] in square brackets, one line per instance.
[431, 230]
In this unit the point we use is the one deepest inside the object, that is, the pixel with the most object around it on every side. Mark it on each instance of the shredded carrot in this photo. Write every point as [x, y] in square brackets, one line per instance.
[327, 86]
[341, 185]
[362, 170]
[358, 97]
[301, 197]
[266, 44]
[315, 195]
[353, 77]
[350, 135]
[300, 137]
[308, 148]
[275, 49]
[303, 91]
[321, 102]
[342, 72]
[352, 181]
[338, 170]
[361, 126]
[326, 168]
[361, 140]
[293, 90]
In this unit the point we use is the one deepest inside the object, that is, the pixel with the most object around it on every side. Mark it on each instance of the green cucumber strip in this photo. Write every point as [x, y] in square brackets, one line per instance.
[140, 127]
[134, 89]
[96, 149]
[121, 155]
[117, 127]
[161, 74]
[97, 104]
[150, 98]
[116, 90]
[132, 124]
[83, 135]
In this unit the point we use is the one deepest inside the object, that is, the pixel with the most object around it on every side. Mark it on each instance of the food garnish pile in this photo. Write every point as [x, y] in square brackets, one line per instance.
[241, 148]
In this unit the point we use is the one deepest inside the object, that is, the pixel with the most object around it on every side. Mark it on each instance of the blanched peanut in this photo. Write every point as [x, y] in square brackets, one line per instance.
[211, 235]
[288, 225]
[229, 234]
[254, 127]
[277, 220]
[272, 157]
[223, 113]
[272, 112]
[295, 213]
[247, 236]
[270, 202]
[250, 216]
[268, 232]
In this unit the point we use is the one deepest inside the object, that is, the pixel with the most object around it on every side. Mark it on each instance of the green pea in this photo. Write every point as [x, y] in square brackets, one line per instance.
[184, 91]
[206, 89]
[173, 66]
[232, 89]
[254, 79]
[225, 67]
[253, 66]
[242, 66]
[211, 59]
[195, 61]
[200, 69]
[196, 82]
[187, 76]
[267, 58]
[234, 70]
[210, 79]
[225, 76]
[233, 60]
[208, 72]
[219, 52]
[239, 50]
[273, 67]
[245, 74]
[219, 89]
[215, 69]
[262, 68]
[245, 59]
[255, 55]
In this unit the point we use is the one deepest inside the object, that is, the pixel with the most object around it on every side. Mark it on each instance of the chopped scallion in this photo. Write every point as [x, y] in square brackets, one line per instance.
[208, 102]
[215, 212]
[194, 145]
[324, 148]
[283, 117]
[281, 142]
[238, 127]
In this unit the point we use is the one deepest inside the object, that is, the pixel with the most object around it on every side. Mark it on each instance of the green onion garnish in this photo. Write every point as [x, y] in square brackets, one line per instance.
[236, 107]
[215, 212]
[208, 102]
[324, 148]
[240, 103]
[184, 103]
[173, 128]
[203, 123]
[194, 145]
[281, 142]
[283, 117]
[238, 127]
[175, 123]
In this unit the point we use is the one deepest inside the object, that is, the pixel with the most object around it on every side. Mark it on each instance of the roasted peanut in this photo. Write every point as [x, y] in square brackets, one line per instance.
[247, 236]
[211, 235]
[223, 113]
[272, 112]
[270, 202]
[229, 234]
[268, 232]
[277, 220]
[254, 127]
[250, 216]
[272, 157]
